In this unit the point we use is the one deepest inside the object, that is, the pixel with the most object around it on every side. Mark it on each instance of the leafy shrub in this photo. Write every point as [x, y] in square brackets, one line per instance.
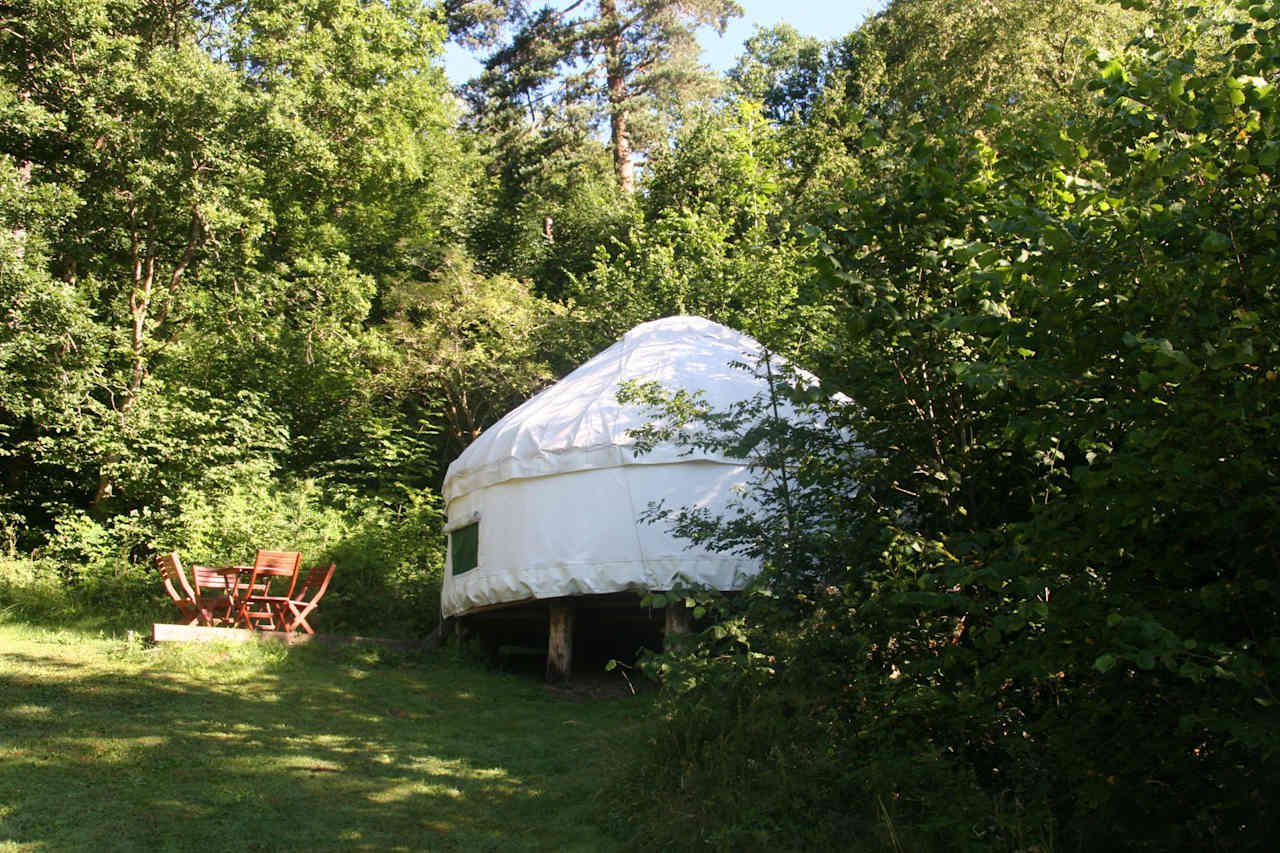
[1035, 603]
[30, 592]
[388, 555]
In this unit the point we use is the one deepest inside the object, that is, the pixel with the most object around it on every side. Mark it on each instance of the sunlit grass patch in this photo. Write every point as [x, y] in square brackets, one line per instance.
[112, 744]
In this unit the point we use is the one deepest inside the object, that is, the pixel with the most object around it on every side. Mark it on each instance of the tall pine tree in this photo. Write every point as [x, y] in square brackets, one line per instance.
[597, 61]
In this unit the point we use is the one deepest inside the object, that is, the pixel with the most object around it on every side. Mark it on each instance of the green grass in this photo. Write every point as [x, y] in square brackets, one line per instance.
[107, 744]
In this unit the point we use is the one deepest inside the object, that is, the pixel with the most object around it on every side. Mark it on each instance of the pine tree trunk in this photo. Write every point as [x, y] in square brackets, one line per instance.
[616, 78]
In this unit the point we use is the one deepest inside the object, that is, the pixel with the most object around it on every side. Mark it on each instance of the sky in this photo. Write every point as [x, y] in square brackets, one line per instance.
[826, 19]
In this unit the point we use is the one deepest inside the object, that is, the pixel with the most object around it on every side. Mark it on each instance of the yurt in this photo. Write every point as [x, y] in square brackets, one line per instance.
[544, 508]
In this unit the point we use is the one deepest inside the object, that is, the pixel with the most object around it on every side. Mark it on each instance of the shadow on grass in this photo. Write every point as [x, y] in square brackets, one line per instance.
[203, 748]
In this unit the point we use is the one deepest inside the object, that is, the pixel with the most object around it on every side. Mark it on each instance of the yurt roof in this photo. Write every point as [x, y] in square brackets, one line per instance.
[578, 424]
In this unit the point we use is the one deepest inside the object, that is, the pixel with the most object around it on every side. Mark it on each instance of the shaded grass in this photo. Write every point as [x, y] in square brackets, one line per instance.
[106, 744]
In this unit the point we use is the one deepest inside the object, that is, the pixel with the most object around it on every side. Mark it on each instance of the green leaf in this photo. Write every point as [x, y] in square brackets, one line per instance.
[1105, 663]
[1215, 241]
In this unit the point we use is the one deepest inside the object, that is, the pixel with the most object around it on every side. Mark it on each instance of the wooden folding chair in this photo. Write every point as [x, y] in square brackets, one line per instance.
[215, 590]
[257, 601]
[309, 595]
[180, 591]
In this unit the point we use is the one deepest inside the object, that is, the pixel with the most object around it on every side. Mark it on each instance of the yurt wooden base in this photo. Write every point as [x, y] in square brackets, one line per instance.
[576, 632]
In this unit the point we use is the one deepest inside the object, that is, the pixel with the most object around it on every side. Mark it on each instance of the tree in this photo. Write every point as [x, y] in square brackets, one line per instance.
[713, 240]
[150, 194]
[47, 339]
[619, 61]
[1041, 583]
[783, 70]
[536, 210]
[241, 169]
[919, 61]
[470, 346]
[475, 23]
[941, 58]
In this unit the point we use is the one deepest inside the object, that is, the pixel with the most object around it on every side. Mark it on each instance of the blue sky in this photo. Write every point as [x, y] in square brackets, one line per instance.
[826, 19]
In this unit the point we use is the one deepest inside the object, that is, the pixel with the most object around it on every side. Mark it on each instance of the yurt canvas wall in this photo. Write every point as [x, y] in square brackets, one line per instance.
[547, 502]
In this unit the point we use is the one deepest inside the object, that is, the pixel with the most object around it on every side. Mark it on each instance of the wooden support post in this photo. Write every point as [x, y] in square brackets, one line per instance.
[679, 620]
[560, 640]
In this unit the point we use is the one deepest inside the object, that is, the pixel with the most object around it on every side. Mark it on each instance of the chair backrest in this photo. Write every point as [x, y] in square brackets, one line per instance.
[211, 581]
[308, 596]
[175, 580]
[268, 565]
[315, 583]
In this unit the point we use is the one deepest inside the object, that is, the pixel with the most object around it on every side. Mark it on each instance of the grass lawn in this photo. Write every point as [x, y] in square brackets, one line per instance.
[107, 745]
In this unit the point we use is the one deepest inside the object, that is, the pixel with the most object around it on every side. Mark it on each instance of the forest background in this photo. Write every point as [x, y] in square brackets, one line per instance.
[264, 272]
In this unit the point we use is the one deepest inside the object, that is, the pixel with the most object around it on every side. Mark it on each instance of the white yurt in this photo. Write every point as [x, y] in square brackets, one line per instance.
[544, 510]
[546, 504]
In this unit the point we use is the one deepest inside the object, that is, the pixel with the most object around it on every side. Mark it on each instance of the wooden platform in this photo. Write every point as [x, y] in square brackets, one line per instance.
[162, 633]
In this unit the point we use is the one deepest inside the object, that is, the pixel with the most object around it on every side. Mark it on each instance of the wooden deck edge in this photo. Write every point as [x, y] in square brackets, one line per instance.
[162, 633]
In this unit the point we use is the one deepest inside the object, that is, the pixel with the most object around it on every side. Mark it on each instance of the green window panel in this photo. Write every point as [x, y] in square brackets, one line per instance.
[464, 545]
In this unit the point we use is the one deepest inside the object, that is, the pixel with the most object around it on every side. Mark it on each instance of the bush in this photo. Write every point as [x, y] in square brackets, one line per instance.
[388, 555]
[30, 592]
[1046, 614]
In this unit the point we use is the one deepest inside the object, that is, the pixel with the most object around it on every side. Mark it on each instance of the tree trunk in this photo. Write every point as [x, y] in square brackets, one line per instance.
[141, 304]
[616, 78]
